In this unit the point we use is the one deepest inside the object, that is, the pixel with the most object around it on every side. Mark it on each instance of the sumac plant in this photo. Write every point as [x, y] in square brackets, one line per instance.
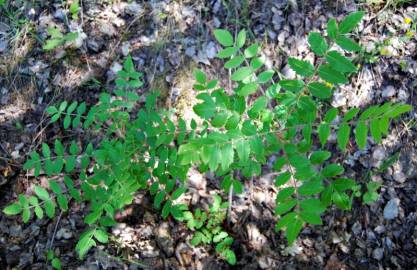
[241, 126]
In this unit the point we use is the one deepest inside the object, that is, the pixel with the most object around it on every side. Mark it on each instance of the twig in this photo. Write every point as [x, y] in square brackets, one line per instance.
[51, 242]
[229, 207]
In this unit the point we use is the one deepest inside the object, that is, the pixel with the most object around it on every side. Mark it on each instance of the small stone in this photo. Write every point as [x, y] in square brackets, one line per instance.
[63, 233]
[164, 239]
[403, 95]
[378, 253]
[357, 228]
[196, 180]
[116, 67]
[15, 154]
[107, 29]
[190, 51]
[391, 209]
[93, 45]
[3, 46]
[125, 49]
[19, 146]
[288, 72]
[59, 14]
[399, 177]
[388, 91]
[379, 229]
[339, 99]
[133, 9]
[15, 230]
[379, 153]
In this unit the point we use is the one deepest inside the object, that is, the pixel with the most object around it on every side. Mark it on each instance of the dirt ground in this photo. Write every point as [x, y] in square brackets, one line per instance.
[167, 40]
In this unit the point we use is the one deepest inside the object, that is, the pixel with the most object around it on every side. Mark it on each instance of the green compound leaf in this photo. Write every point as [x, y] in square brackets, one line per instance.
[375, 130]
[331, 115]
[284, 207]
[349, 115]
[286, 220]
[50, 208]
[320, 90]
[41, 193]
[332, 170]
[248, 89]
[361, 133]
[332, 29]
[339, 62]
[348, 44]
[282, 178]
[301, 67]
[293, 230]
[343, 136]
[200, 76]
[251, 51]
[317, 43]
[292, 85]
[350, 22]
[241, 38]
[85, 243]
[12, 209]
[241, 74]
[324, 133]
[224, 37]
[101, 236]
[327, 73]
[341, 200]
[311, 218]
[265, 76]
[227, 52]
[234, 62]
[318, 157]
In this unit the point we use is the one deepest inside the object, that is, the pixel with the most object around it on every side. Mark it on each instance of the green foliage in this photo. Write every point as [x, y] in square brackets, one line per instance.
[58, 39]
[53, 260]
[237, 132]
[207, 228]
[74, 8]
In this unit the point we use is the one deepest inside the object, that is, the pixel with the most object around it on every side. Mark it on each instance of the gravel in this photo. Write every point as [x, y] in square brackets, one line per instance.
[391, 209]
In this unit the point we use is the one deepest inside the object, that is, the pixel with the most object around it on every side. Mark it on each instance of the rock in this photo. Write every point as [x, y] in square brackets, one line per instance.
[25, 260]
[133, 9]
[378, 254]
[403, 95]
[3, 46]
[63, 233]
[357, 228]
[339, 99]
[388, 91]
[379, 229]
[93, 45]
[4, 98]
[15, 155]
[115, 67]
[59, 14]
[256, 239]
[15, 231]
[278, 21]
[391, 209]
[288, 72]
[378, 155]
[107, 29]
[125, 48]
[196, 180]
[399, 177]
[164, 239]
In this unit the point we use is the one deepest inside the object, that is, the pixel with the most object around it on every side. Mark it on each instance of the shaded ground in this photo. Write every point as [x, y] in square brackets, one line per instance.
[167, 40]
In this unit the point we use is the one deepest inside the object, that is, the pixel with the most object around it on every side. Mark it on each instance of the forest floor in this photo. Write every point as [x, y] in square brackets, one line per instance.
[167, 40]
